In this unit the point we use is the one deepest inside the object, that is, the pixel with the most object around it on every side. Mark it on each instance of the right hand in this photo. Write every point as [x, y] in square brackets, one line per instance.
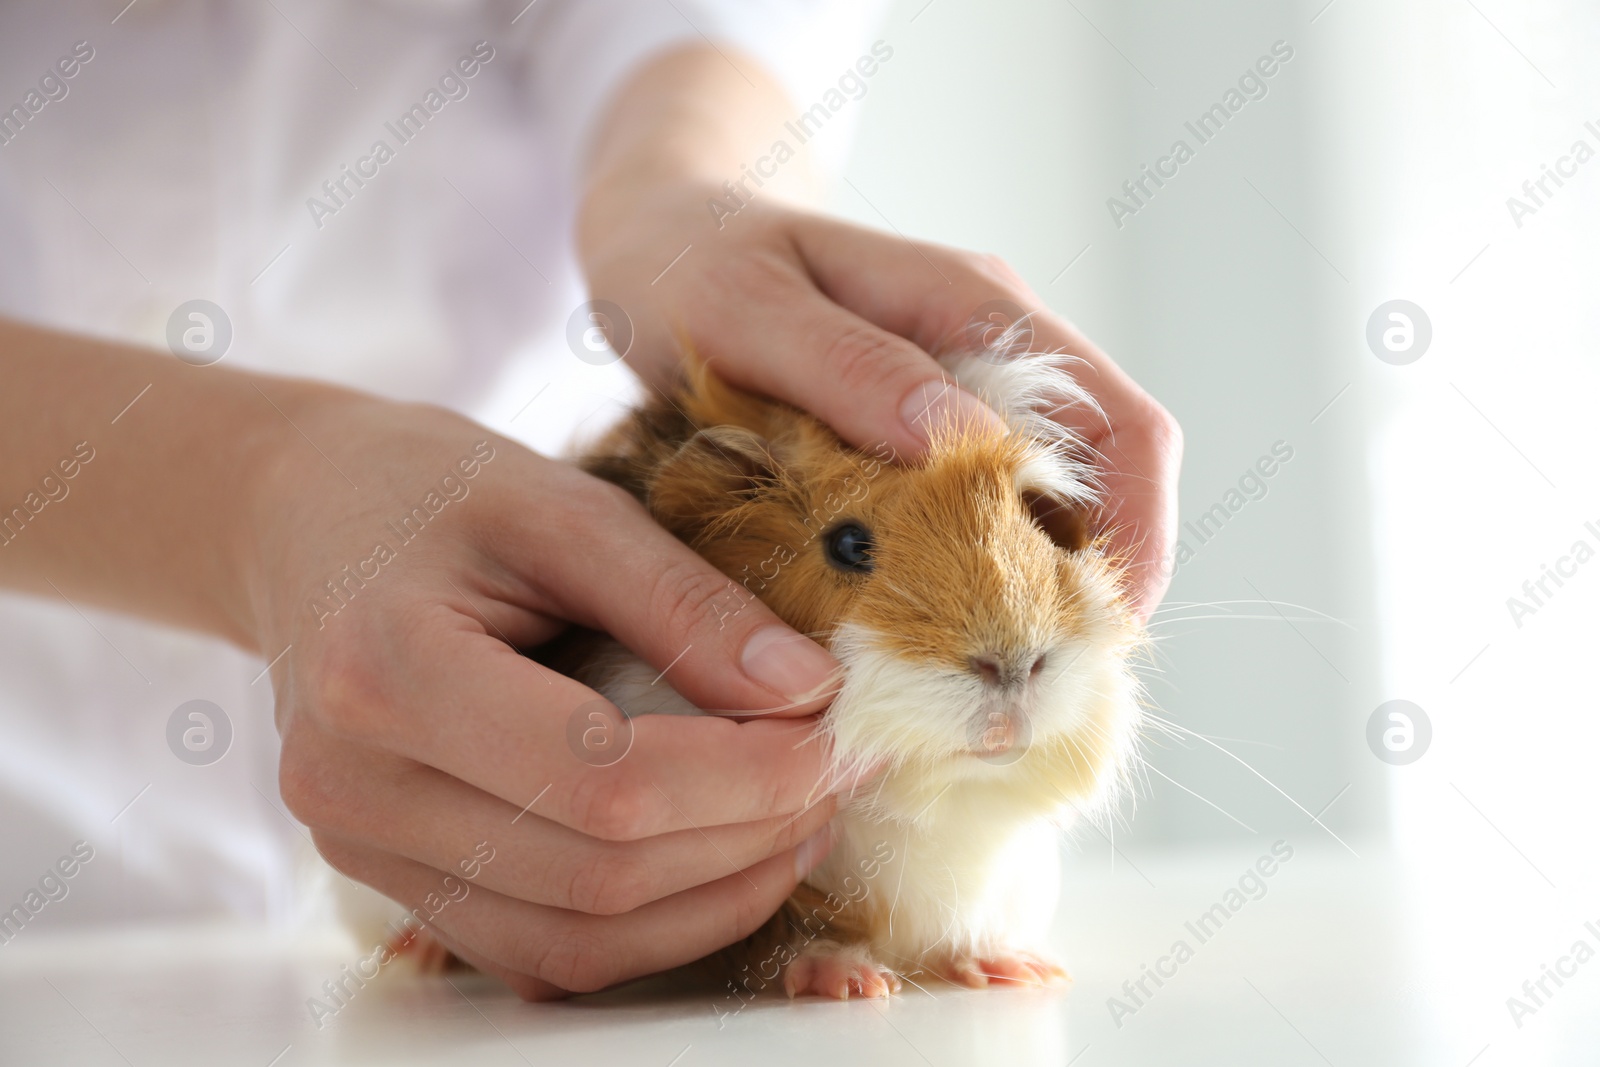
[413, 730]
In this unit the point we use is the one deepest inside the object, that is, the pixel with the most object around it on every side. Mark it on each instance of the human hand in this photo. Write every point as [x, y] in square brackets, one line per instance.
[412, 729]
[839, 320]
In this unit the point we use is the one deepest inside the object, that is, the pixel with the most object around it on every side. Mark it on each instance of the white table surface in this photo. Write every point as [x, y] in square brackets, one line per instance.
[1343, 961]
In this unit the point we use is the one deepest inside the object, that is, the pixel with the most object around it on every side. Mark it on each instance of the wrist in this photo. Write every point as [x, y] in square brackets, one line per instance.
[280, 470]
[617, 209]
[690, 127]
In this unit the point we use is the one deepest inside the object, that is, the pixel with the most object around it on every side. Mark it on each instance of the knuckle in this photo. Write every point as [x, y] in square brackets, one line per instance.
[302, 784]
[528, 989]
[615, 505]
[589, 503]
[777, 797]
[795, 830]
[1164, 429]
[613, 807]
[336, 855]
[747, 914]
[864, 358]
[996, 269]
[572, 959]
[685, 596]
[610, 882]
[346, 693]
[758, 276]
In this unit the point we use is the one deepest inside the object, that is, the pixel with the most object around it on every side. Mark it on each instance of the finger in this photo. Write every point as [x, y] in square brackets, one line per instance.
[531, 989]
[499, 721]
[710, 638]
[573, 951]
[425, 815]
[786, 340]
[930, 294]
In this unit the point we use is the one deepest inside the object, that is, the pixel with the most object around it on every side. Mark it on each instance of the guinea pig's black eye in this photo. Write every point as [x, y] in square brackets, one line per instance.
[849, 547]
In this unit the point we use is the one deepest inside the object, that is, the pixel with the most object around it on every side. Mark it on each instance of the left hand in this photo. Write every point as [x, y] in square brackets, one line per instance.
[839, 319]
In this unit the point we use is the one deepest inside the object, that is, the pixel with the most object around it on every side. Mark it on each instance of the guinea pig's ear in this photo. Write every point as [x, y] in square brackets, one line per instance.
[1068, 524]
[705, 475]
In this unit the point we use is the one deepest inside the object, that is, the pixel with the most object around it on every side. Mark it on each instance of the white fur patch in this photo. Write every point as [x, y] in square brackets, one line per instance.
[958, 883]
[1028, 389]
[977, 855]
[915, 715]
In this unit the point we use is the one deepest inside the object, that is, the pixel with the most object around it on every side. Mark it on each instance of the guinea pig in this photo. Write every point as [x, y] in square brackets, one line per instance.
[986, 666]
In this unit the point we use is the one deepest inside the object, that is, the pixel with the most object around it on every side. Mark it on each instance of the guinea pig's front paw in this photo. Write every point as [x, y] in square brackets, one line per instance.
[837, 971]
[1004, 965]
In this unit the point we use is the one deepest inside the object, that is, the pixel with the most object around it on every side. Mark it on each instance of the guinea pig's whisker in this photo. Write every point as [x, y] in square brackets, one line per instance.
[829, 689]
[1241, 618]
[1092, 816]
[895, 903]
[908, 978]
[817, 791]
[1139, 477]
[1152, 767]
[954, 904]
[1245, 741]
[819, 788]
[1274, 604]
[1258, 774]
[810, 803]
[883, 780]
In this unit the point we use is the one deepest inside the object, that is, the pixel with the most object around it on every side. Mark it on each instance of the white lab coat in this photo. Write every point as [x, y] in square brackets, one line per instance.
[184, 159]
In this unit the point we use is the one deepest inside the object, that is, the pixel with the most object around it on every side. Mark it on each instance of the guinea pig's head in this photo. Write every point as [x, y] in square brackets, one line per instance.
[977, 647]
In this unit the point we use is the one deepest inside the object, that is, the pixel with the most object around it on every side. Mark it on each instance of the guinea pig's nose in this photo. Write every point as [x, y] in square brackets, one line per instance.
[1002, 671]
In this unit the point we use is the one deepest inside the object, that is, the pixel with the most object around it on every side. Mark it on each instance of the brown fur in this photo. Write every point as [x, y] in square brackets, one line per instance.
[961, 567]
[747, 482]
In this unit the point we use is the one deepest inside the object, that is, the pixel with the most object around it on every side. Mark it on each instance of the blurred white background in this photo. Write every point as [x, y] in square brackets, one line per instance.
[1421, 496]
[1377, 564]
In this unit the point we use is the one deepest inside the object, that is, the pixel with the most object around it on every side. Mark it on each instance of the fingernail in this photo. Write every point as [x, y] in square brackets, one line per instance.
[788, 663]
[942, 405]
[812, 851]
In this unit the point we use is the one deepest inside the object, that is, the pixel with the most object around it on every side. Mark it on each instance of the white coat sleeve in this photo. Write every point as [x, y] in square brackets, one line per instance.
[582, 51]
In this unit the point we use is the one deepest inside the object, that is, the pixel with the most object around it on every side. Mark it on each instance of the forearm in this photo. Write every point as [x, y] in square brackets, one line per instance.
[687, 143]
[691, 116]
[128, 478]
